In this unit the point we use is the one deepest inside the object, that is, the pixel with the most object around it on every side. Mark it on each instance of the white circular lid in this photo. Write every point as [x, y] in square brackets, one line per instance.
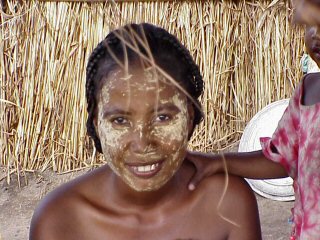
[263, 124]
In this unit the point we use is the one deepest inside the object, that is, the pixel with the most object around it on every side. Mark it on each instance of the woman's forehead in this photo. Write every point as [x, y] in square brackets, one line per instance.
[142, 100]
[140, 79]
[148, 85]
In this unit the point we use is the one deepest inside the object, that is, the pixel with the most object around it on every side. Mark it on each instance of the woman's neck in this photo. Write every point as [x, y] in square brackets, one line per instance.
[173, 189]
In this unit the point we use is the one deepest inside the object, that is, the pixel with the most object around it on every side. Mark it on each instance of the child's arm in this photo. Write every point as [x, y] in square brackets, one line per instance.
[282, 148]
[311, 86]
[247, 164]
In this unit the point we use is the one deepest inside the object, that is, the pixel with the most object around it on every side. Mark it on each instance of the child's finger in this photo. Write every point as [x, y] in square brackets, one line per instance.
[194, 181]
[199, 170]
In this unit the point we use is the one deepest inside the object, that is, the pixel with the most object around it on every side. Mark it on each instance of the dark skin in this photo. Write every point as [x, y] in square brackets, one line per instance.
[88, 208]
[306, 12]
[103, 205]
[254, 164]
[311, 83]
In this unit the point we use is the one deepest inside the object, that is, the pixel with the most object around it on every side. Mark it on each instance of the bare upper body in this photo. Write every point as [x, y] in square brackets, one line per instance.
[90, 208]
[141, 119]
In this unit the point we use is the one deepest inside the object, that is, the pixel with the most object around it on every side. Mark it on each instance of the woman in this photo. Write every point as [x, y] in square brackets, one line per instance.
[142, 89]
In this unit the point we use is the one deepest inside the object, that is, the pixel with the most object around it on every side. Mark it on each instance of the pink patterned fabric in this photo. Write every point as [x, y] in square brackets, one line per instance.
[296, 145]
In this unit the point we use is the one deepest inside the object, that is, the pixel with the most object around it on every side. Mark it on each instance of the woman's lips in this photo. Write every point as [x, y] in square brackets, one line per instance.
[145, 170]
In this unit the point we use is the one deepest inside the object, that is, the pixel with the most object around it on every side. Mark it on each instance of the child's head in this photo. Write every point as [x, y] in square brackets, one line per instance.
[307, 12]
[312, 42]
[142, 89]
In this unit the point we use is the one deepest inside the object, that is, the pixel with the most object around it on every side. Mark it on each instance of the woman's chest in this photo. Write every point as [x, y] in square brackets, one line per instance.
[191, 224]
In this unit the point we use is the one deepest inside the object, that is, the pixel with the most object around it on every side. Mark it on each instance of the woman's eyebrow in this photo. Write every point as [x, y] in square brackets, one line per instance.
[169, 107]
[114, 111]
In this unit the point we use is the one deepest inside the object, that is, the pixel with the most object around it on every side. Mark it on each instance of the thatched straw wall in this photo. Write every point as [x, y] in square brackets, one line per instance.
[248, 53]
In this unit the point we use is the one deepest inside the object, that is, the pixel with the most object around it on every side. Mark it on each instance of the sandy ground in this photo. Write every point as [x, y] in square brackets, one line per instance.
[17, 205]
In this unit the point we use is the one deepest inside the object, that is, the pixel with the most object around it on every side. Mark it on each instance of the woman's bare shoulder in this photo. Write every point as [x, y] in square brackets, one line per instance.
[235, 203]
[230, 184]
[54, 207]
[216, 185]
[63, 204]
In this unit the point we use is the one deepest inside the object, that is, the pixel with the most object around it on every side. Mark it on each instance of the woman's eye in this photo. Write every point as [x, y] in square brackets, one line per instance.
[162, 118]
[120, 121]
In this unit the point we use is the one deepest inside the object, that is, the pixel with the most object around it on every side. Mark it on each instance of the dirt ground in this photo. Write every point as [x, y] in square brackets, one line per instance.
[17, 205]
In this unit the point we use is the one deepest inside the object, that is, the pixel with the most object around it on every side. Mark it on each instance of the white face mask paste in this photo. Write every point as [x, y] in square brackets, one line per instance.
[167, 142]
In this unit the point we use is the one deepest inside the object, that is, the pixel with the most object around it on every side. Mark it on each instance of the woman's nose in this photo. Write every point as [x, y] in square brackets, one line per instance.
[141, 141]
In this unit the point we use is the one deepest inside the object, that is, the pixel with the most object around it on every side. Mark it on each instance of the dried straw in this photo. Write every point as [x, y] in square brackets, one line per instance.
[248, 53]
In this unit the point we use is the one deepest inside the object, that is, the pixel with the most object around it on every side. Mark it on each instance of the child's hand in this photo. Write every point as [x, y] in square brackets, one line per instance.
[206, 165]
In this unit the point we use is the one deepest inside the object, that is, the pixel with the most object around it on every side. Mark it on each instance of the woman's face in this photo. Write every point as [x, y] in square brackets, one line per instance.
[143, 125]
[312, 42]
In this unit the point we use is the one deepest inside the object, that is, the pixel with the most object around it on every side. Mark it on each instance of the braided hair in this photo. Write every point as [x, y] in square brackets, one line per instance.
[167, 51]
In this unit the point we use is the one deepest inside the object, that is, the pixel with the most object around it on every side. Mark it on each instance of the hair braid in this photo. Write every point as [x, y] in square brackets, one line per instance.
[91, 72]
[194, 76]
